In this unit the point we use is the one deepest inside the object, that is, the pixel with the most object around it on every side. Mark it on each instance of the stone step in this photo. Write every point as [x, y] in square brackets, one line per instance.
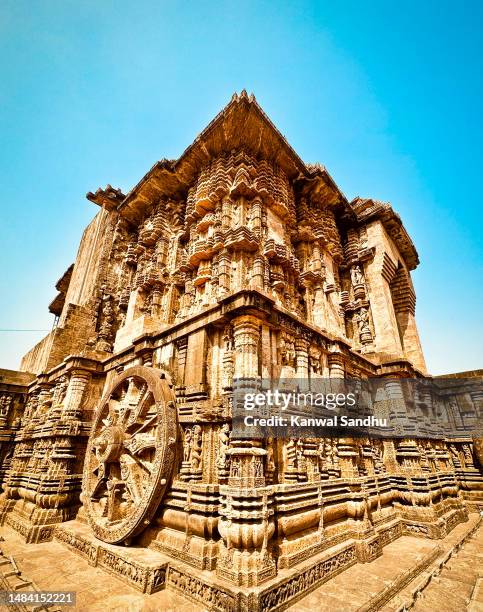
[476, 602]
[461, 575]
[454, 587]
[439, 602]
[22, 585]
[17, 583]
[444, 583]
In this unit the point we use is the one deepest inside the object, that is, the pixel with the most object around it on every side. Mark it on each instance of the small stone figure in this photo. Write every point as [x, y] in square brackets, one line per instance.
[106, 329]
[356, 276]
[224, 445]
[196, 448]
[187, 449]
[270, 456]
[362, 319]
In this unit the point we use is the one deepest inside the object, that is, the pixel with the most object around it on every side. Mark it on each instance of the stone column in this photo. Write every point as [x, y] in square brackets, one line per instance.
[246, 333]
[336, 365]
[226, 210]
[75, 392]
[246, 523]
[246, 336]
[308, 289]
[302, 358]
[302, 363]
[224, 276]
[256, 216]
[156, 300]
[257, 281]
[316, 263]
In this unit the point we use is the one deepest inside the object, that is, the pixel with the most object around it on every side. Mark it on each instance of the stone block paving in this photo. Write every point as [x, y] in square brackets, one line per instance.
[458, 588]
[53, 567]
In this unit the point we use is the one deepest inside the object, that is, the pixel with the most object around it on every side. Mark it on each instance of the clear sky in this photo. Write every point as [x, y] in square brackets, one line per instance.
[387, 95]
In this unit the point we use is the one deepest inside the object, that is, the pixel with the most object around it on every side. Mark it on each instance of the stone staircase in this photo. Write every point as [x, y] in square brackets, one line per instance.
[12, 579]
[414, 574]
[459, 585]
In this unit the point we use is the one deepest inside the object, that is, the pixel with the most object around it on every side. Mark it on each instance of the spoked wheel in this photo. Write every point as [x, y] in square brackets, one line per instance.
[130, 454]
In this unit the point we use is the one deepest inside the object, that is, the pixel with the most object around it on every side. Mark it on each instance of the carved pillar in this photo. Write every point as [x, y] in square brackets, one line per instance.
[309, 299]
[336, 365]
[246, 524]
[302, 363]
[226, 213]
[5, 403]
[75, 392]
[258, 272]
[246, 333]
[256, 216]
[224, 273]
[316, 263]
[227, 371]
[156, 300]
[302, 358]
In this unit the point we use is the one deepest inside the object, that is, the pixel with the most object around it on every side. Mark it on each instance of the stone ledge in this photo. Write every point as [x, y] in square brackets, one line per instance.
[149, 571]
[31, 533]
[143, 569]
[421, 582]
[402, 580]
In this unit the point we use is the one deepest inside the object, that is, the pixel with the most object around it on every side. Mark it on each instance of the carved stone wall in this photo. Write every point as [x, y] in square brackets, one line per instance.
[236, 260]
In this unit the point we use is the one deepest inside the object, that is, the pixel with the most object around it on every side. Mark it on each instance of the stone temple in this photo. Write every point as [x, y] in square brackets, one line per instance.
[237, 260]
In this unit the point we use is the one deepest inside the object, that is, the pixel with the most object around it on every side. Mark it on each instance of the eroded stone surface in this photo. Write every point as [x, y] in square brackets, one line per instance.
[237, 260]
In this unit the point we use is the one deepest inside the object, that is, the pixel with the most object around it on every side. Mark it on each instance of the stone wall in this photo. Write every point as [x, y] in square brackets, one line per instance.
[235, 261]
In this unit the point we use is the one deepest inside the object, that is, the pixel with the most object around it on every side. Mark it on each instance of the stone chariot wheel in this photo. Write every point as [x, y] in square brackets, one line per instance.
[130, 454]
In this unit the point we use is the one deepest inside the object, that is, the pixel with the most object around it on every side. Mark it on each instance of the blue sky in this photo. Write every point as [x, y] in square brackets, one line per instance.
[387, 95]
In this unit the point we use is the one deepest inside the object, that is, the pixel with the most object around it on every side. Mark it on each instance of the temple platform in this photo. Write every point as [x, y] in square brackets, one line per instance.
[141, 579]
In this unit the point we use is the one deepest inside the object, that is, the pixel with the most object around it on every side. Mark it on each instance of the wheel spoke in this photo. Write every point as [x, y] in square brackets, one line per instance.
[101, 478]
[139, 461]
[150, 421]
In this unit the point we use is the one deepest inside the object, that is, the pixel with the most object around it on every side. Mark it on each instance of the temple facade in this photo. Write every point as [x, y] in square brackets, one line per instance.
[237, 260]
